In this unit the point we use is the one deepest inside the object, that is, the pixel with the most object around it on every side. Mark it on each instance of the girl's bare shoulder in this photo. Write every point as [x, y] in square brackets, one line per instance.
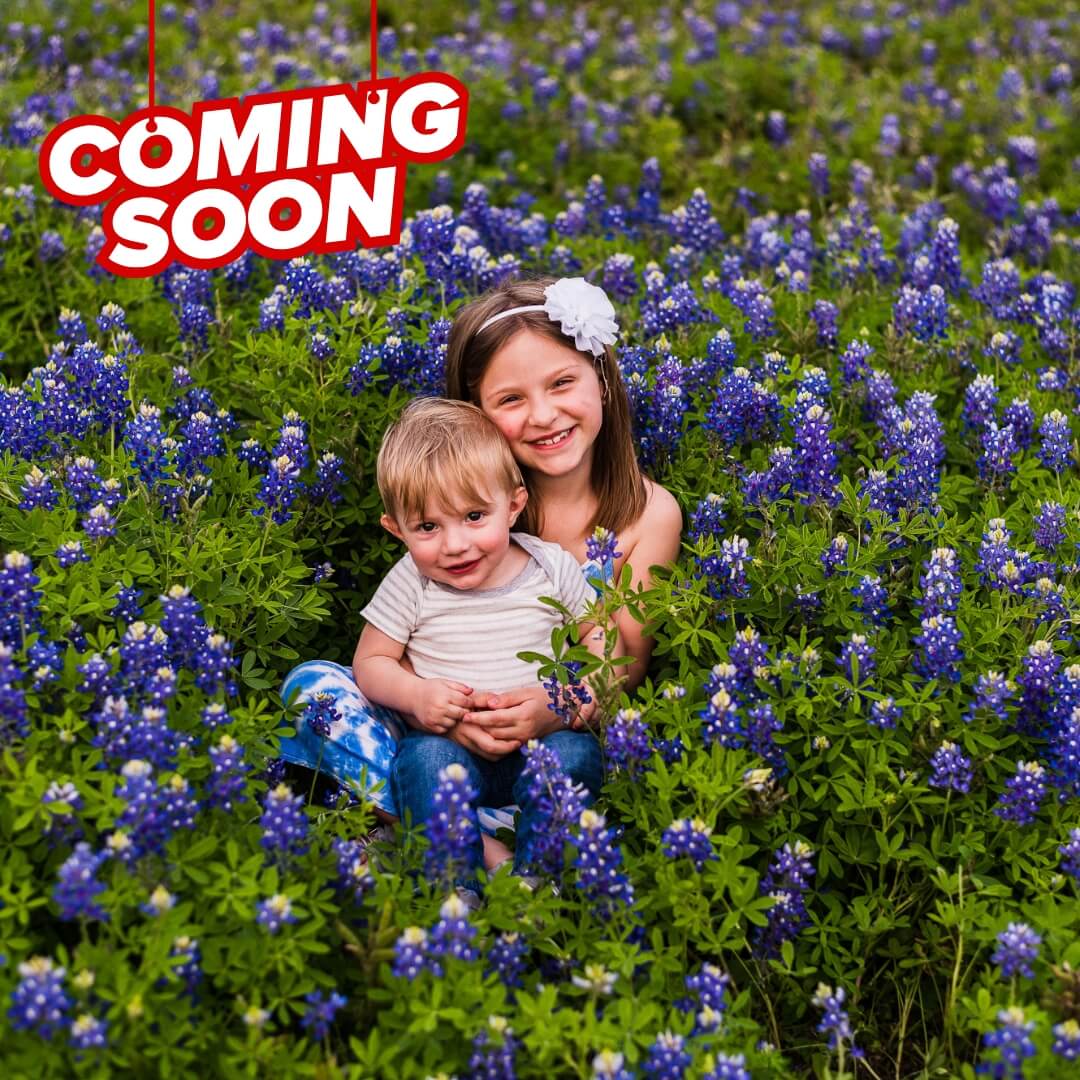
[654, 539]
[662, 511]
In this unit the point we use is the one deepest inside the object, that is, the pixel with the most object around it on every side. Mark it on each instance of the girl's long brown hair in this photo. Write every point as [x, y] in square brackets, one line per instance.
[616, 478]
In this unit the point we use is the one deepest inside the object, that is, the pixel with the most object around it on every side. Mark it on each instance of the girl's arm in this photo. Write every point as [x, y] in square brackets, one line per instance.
[661, 540]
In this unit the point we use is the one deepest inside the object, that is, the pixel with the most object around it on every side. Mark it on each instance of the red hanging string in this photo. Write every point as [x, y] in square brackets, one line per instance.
[151, 124]
[373, 96]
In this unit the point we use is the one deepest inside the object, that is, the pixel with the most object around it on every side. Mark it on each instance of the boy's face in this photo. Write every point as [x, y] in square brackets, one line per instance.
[462, 544]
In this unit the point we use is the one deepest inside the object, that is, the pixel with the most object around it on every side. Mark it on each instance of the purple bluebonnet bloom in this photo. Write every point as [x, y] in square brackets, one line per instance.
[452, 830]
[38, 491]
[602, 545]
[818, 166]
[1017, 948]
[992, 692]
[598, 860]
[835, 555]
[691, 839]
[857, 651]
[320, 1013]
[566, 697]
[214, 664]
[980, 402]
[321, 713]
[776, 127]
[1056, 435]
[786, 882]
[39, 1003]
[494, 1055]
[1070, 855]
[182, 621]
[20, 600]
[284, 824]
[89, 1032]
[950, 768]
[721, 721]
[506, 959]
[186, 950]
[77, 887]
[1049, 525]
[708, 517]
[939, 655]
[51, 246]
[127, 607]
[872, 599]
[99, 523]
[1012, 1040]
[708, 989]
[1063, 755]
[1036, 679]
[453, 935]
[626, 742]
[816, 456]
[834, 1021]
[727, 570]
[1067, 1040]
[824, 314]
[940, 582]
[884, 714]
[329, 478]
[274, 913]
[557, 803]
[667, 1057]
[742, 409]
[280, 488]
[728, 1067]
[69, 553]
[1023, 794]
[225, 788]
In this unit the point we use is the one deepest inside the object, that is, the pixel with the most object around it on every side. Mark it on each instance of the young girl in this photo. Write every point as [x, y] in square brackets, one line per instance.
[537, 357]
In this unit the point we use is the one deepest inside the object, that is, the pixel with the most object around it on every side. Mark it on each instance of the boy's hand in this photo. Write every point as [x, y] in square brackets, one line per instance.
[440, 703]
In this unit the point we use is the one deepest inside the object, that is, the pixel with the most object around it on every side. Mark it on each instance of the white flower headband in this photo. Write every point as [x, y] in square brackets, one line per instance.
[583, 311]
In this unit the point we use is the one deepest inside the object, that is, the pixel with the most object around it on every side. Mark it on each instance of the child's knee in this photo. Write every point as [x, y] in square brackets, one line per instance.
[423, 757]
[579, 755]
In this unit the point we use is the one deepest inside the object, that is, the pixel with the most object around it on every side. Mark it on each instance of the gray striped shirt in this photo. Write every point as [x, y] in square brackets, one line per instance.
[474, 635]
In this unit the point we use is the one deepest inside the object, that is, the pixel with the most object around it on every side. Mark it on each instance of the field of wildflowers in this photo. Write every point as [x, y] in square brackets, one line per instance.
[840, 834]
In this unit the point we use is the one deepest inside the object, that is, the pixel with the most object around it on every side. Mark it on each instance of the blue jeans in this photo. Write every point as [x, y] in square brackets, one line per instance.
[414, 777]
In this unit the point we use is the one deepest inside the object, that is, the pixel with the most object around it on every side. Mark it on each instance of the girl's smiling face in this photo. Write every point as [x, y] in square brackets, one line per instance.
[546, 400]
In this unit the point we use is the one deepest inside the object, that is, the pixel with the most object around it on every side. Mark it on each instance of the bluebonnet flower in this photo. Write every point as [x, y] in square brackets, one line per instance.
[834, 1021]
[835, 555]
[940, 582]
[494, 1053]
[253, 455]
[816, 457]
[776, 127]
[884, 714]
[274, 913]
[14, 718]
[721, 721]
[759, 313]
[99, 523]
[321, 713]
[728, 1067]
[186, 950]
[51, 247]
[20, 600]
[557, 804]
[63, 799]
[452, 830]
[708, 988]
[284, 824]
[329, 477]
[280, 488]
[980, 402]
[951, 768]
[818, 167]
[727, 571]
[708, 517]
[667, 1057]
[608, 1065]
[1050, 526]
[127, 607]
[213, 664]
[39, 1003]
[82, 481]
[992, 691]
[225, 788]
[38, 491]
[689, 838]
[506, 959]
[354, 878]
[69, 553]
[1012, 1040]
[161, 901]
[786, 882]
[1063, 755]
[857, 651]
[1070, 855]
[320, 1013]
[453, 935]
[1017, 948]
[824, 314]
[626, 742]
[602, 546]
[77, 887]
[1067, 1040]
[182, 621]
[1023, 794]
[1056, 435]
[939, 655]
[88, 1032]
[598, 860]
[872, 599]
[1038, 673]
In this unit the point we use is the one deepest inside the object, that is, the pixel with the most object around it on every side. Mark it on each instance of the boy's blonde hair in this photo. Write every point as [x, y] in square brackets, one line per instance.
[442, 450]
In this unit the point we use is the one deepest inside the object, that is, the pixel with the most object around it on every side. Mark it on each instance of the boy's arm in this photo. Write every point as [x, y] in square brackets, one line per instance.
[378, 672]
[433, 705]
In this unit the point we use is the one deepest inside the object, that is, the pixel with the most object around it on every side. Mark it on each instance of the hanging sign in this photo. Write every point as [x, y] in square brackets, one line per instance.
[282, 174]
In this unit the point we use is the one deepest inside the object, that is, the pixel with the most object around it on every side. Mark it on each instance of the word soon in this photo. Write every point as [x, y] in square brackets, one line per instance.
[282, 174]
